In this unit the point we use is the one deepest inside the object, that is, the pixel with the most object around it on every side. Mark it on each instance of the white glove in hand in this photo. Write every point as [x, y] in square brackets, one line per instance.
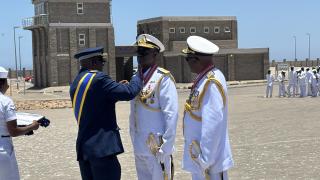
[160, 156]
[202, 165]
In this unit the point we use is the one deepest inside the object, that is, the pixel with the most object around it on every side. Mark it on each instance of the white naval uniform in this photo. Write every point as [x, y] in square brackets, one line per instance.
[308, 76]
[205, 121]
[270, 80]
[292, 84]
[282, 90]
[318, 75]
[157, 114]
[303, 84]
[314, 84]
[296, 83]
[8, 163]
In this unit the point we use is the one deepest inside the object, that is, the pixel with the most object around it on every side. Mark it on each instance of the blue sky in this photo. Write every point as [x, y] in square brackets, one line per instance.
[269, 23]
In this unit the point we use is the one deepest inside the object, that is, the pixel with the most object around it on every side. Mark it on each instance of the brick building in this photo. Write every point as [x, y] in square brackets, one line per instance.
[236, 64]
[60, 28]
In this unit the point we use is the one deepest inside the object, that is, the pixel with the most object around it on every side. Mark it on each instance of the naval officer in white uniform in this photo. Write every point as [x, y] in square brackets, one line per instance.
[8, 128]
[281, 79]
[292, 82]
[270, 80]
[154, 114]
[207, 152]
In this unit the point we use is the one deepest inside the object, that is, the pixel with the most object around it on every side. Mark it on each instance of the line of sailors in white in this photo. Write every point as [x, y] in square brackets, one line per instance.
[306, 82]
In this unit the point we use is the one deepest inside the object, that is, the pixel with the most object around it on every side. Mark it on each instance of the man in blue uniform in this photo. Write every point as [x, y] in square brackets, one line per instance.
[94, 95]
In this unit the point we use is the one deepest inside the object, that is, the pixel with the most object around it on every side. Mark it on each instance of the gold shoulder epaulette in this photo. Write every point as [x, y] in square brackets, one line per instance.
[164, 71]
[210, 75]
[220, 88]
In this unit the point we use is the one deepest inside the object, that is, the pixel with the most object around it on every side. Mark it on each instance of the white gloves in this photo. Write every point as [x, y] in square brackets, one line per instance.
[202, 165]
[160, 156]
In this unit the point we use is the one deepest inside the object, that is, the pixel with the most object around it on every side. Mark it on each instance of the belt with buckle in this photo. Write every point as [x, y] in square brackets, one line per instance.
[5, 136]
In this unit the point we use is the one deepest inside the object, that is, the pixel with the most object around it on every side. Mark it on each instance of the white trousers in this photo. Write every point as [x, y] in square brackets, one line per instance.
[282, 90]
[8, 163]
[314, 90]
[294, 89]
[219, 176]
[148, 168]
[269, 91]
[297, 89]
[303, 90]
[309, 89]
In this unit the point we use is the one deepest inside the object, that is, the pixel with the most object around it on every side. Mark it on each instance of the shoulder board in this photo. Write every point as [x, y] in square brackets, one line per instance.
[164, 71]
[93, 71]
[210, 75]
[220, 88]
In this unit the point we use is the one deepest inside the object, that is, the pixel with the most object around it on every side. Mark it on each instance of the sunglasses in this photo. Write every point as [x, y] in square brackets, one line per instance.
[143, 52]
[100, 59]
[190, 58]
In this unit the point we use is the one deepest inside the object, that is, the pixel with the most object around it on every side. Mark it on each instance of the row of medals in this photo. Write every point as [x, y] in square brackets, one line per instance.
[193, 97]
[144, 93]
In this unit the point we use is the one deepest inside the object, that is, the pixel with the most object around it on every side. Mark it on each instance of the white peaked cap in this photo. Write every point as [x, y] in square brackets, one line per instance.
[200, 45]
[3, 73]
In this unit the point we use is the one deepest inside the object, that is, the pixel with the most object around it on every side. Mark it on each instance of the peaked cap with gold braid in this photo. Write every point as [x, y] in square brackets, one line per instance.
[149, 41]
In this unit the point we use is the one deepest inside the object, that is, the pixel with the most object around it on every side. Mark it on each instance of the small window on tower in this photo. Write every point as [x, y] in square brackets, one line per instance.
[39, 9]
[82, 39]
[227, 29]
[216, 29]
[206, 30]
[193, 30]
[172, 30]
[182, 30]
[79, 8]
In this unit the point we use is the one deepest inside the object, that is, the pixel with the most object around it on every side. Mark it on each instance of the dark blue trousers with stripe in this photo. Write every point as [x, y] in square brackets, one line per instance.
[107, 168]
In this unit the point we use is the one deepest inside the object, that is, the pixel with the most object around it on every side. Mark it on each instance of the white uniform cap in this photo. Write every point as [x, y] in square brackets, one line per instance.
[148, 41]
[200, 45]
[3, 73]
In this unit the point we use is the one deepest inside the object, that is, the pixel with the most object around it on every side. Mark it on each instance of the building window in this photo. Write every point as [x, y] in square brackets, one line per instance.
[182, 30]
[39, 9]
[79, 8]
[227, 29]
[193, 30]
[206, 30]
[172, 30]
[82, 39]
[216, 29]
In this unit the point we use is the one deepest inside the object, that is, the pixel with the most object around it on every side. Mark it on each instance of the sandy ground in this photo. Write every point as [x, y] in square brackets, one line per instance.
[275, 138]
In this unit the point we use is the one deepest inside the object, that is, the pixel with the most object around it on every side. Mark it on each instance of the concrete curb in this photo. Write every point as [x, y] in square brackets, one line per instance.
[185, 86]
[230, 84]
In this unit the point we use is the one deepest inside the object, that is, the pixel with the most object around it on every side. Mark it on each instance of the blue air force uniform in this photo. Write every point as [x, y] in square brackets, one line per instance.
[94, 95]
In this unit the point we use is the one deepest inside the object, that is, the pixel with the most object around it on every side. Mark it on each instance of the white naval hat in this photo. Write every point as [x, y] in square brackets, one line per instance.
[201, 46]
[149, 41]
[3, 73]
